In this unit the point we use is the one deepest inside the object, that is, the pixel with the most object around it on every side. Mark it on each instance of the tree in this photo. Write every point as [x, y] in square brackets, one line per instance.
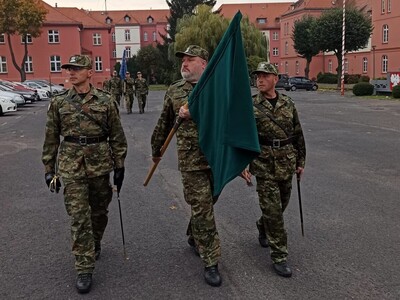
[206, 30]
[147, 60]
[329, 32]
[304, 41]
[24, 18]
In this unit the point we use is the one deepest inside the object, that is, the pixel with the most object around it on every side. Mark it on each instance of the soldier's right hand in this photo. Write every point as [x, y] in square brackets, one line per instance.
[53, 182]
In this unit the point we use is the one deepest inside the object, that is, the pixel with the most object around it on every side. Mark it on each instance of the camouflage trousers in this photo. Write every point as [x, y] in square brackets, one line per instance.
[86, 201]
[129, 102]
[116, 97]
[198, 189]
[273, 198]
[141, 101]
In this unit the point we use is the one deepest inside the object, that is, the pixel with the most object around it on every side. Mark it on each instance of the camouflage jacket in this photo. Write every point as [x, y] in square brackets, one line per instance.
[141, 86]
[129, 85]
[106, 84]
[278, 163]
[63, 119]
[115, 86]
[190, 157]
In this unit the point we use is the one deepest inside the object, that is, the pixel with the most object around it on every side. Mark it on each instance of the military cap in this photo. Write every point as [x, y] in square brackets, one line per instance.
[83, 61]
[265, 67]
[193, 50]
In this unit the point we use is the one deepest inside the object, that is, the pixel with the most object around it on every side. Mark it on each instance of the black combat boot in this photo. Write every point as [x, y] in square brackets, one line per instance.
[282, 269]
[84, 283]
[212, 276]
[262, 237]
[97, 250]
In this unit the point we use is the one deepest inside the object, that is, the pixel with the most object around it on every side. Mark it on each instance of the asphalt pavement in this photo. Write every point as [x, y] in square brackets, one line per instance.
[350, 196]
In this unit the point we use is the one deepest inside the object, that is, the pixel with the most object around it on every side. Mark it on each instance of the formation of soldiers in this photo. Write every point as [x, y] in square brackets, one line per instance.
[128, 88]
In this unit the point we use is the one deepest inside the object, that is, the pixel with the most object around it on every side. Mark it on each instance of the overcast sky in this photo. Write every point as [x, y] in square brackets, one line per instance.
[137, 4]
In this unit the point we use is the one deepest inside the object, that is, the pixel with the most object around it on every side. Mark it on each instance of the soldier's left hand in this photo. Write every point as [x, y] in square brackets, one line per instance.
[184, 113]
[299, 172]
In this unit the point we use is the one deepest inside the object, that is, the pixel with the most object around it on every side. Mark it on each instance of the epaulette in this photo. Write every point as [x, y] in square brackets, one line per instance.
[179, 82]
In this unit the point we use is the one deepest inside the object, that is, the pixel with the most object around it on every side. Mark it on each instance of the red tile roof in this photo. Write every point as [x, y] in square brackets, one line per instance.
[55, 17]
[137, 16]
[81, 15]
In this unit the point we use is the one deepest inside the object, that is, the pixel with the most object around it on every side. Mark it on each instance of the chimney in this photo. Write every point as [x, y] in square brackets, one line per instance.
[56, 5]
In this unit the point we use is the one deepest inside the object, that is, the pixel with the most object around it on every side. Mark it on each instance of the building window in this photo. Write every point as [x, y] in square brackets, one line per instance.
[385, 34]
[28, 64]
[389, 6]
[2, 39]
[275, 35]
[385, 62]
[3, 64]
[383, 6]
[261, 20]
[28, 39]
[54, 36]
[113, 37]
[154, 36]
[114, 53]
[98, 64]
[150, 20]
[127, 35]
[286, 48]
[108, 20]
[365, 65]
[330, 66]
[96, 39]
[346, 65]
[275, 52]
[297, 67]
[55, 63]
[286, 67]
[145, 38]
[127, 19]
[128, 52]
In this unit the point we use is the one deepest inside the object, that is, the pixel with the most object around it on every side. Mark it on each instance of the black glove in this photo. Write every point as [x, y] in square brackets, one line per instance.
[119, 178]
[53, 182]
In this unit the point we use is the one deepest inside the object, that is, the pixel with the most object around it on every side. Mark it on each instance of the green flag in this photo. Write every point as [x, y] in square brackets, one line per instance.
[222, 107]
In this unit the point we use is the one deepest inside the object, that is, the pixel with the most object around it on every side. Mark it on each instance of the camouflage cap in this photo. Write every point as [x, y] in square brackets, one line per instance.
[77, 60]
[266, 67]
[193, 50]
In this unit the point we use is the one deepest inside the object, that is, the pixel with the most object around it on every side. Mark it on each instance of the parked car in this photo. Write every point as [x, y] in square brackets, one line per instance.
[43, 93]
[29, 96]
[7, 105]
[15, 97]
[41, 83]
[283, 81]
[299, 82]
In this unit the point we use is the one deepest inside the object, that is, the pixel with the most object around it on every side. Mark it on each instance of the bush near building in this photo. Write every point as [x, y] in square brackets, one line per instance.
[327, 78]
[363, 89]
[396, 91]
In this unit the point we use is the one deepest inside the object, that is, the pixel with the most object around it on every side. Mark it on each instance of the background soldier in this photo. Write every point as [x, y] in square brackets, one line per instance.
[115, 87]
[196, 174]
[94, 144]
[106, 84]
[141, 91]
[129, 90]
[283, 152]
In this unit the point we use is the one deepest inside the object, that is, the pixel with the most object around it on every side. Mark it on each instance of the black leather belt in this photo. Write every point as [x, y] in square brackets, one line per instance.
[274, 143]
[85, 140]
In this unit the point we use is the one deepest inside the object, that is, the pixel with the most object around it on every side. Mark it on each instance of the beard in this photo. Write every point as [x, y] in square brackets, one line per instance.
[190, 77]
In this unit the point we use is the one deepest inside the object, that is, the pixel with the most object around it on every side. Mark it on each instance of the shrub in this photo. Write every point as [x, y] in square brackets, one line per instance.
[363, 89]
[327, 78]
[396, 91]
[351, 78]
[364, 78]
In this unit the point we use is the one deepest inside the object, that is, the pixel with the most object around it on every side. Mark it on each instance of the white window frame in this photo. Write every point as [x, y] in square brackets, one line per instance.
[145, 37]
[365, 65]
[97, 39]
[28, 39]
[2, 38]
[128, 52]
[127, 35]
[286, 48]
[29, 64]
[3, 64]
[389, 6]
[385, 63]
[98, 64]
[385, 34]
[346, 65]
[53, 36]
[55, 63]
[261, 20]
[113, 37]
[154, 36]
[275, 36]
[286, 67]
[150, 20]
[297, 67]
[114, 53]
[330, 66]
[275, 51]
[383, 8]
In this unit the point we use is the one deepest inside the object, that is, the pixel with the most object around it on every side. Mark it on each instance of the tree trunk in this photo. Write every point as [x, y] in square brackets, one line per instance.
[307, 68]
[13, 55]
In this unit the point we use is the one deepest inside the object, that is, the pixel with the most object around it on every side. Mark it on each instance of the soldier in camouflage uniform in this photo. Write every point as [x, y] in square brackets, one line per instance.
[93, 145]
[115, 87]
[283, 153]
[129, 89]
[196, 174]
[106, 84]
[141, 91]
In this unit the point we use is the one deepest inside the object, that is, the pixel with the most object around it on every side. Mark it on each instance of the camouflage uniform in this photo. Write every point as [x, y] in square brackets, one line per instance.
[106, 84]
[115, 89]
[129, 90]
[196, 174]
[141, 91]
[275, 166]
[84, 168]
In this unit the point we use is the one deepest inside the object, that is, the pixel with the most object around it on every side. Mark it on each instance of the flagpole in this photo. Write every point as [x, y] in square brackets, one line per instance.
[343, 46]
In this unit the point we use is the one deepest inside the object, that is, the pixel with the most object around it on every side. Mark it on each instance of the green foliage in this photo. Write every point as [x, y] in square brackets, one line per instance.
[327, 78]
[206, 30]
[363, 89]
[253, 61]
[364, 78]
[304, 40]
[396, 91]
[147, 60]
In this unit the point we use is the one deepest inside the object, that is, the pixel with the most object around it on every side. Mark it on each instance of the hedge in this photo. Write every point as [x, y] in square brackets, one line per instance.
[396, 91]
[363, 89]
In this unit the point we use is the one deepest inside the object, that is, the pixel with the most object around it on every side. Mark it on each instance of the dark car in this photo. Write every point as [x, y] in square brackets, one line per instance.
[298, 82]
[283, 81]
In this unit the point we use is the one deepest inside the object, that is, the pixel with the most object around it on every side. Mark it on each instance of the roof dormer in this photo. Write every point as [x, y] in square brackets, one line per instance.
[150, 19]
[108, 20]
[127, 18]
